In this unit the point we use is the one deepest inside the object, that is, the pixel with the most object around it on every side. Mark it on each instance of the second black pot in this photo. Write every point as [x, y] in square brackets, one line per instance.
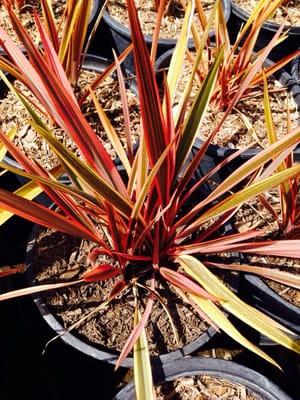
[261, 296]
[230, 371]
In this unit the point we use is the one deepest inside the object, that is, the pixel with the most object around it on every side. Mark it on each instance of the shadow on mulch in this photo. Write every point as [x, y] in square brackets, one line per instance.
[61, 373]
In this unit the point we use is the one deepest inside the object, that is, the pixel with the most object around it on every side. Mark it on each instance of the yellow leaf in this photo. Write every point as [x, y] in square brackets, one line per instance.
[188, 86]
[11, 134]
[217, 316]
[111, 133]
[245, 194]
[179, 51]
[142, 366]
[28, 191]
[233, 304]
[65, 43]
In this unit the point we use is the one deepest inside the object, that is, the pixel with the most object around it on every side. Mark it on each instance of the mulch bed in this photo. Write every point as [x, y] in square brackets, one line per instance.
[172, 20]
[58, 257]
[203, 387]
[14, 114]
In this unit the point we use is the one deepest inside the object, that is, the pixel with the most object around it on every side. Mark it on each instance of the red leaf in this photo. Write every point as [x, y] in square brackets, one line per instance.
[135, 334]
[101, 273]
[98, 251]
[117, 289]
[6, 271]
[185, 283]
[154, 127]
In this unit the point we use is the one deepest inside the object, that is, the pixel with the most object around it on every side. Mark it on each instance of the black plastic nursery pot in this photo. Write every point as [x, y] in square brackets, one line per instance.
[262, 297]
[268, 30]
[122, 37]
[253, 288]
[100, 352]
[258, 384]
[103, 353]
[259, 294]
[295, 69]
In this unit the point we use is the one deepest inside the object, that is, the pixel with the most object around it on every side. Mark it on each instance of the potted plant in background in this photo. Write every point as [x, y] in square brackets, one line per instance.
[70, 36]
[68, 39]
[66, 21]
[161, 21]
[138, 223]
[242, 68]
[273, 14]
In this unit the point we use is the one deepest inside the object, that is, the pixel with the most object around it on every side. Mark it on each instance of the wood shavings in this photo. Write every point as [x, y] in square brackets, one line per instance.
[203, 387]
[171, 22]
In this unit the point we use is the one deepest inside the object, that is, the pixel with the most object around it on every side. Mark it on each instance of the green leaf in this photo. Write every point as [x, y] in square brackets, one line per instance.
[196, 114]
[244, 195]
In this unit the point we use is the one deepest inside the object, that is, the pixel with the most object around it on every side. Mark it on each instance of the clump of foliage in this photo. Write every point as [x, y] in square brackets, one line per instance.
[150, 228]
[287, 212]
[242, 66]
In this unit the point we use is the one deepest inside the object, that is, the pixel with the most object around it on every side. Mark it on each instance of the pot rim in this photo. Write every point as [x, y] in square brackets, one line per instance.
[219, 368]
[263, 290]
[97, 351]
[291, 30]
[124, 31]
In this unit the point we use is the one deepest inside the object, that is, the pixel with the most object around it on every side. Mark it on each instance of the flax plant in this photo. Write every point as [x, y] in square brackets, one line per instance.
[152, 233]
